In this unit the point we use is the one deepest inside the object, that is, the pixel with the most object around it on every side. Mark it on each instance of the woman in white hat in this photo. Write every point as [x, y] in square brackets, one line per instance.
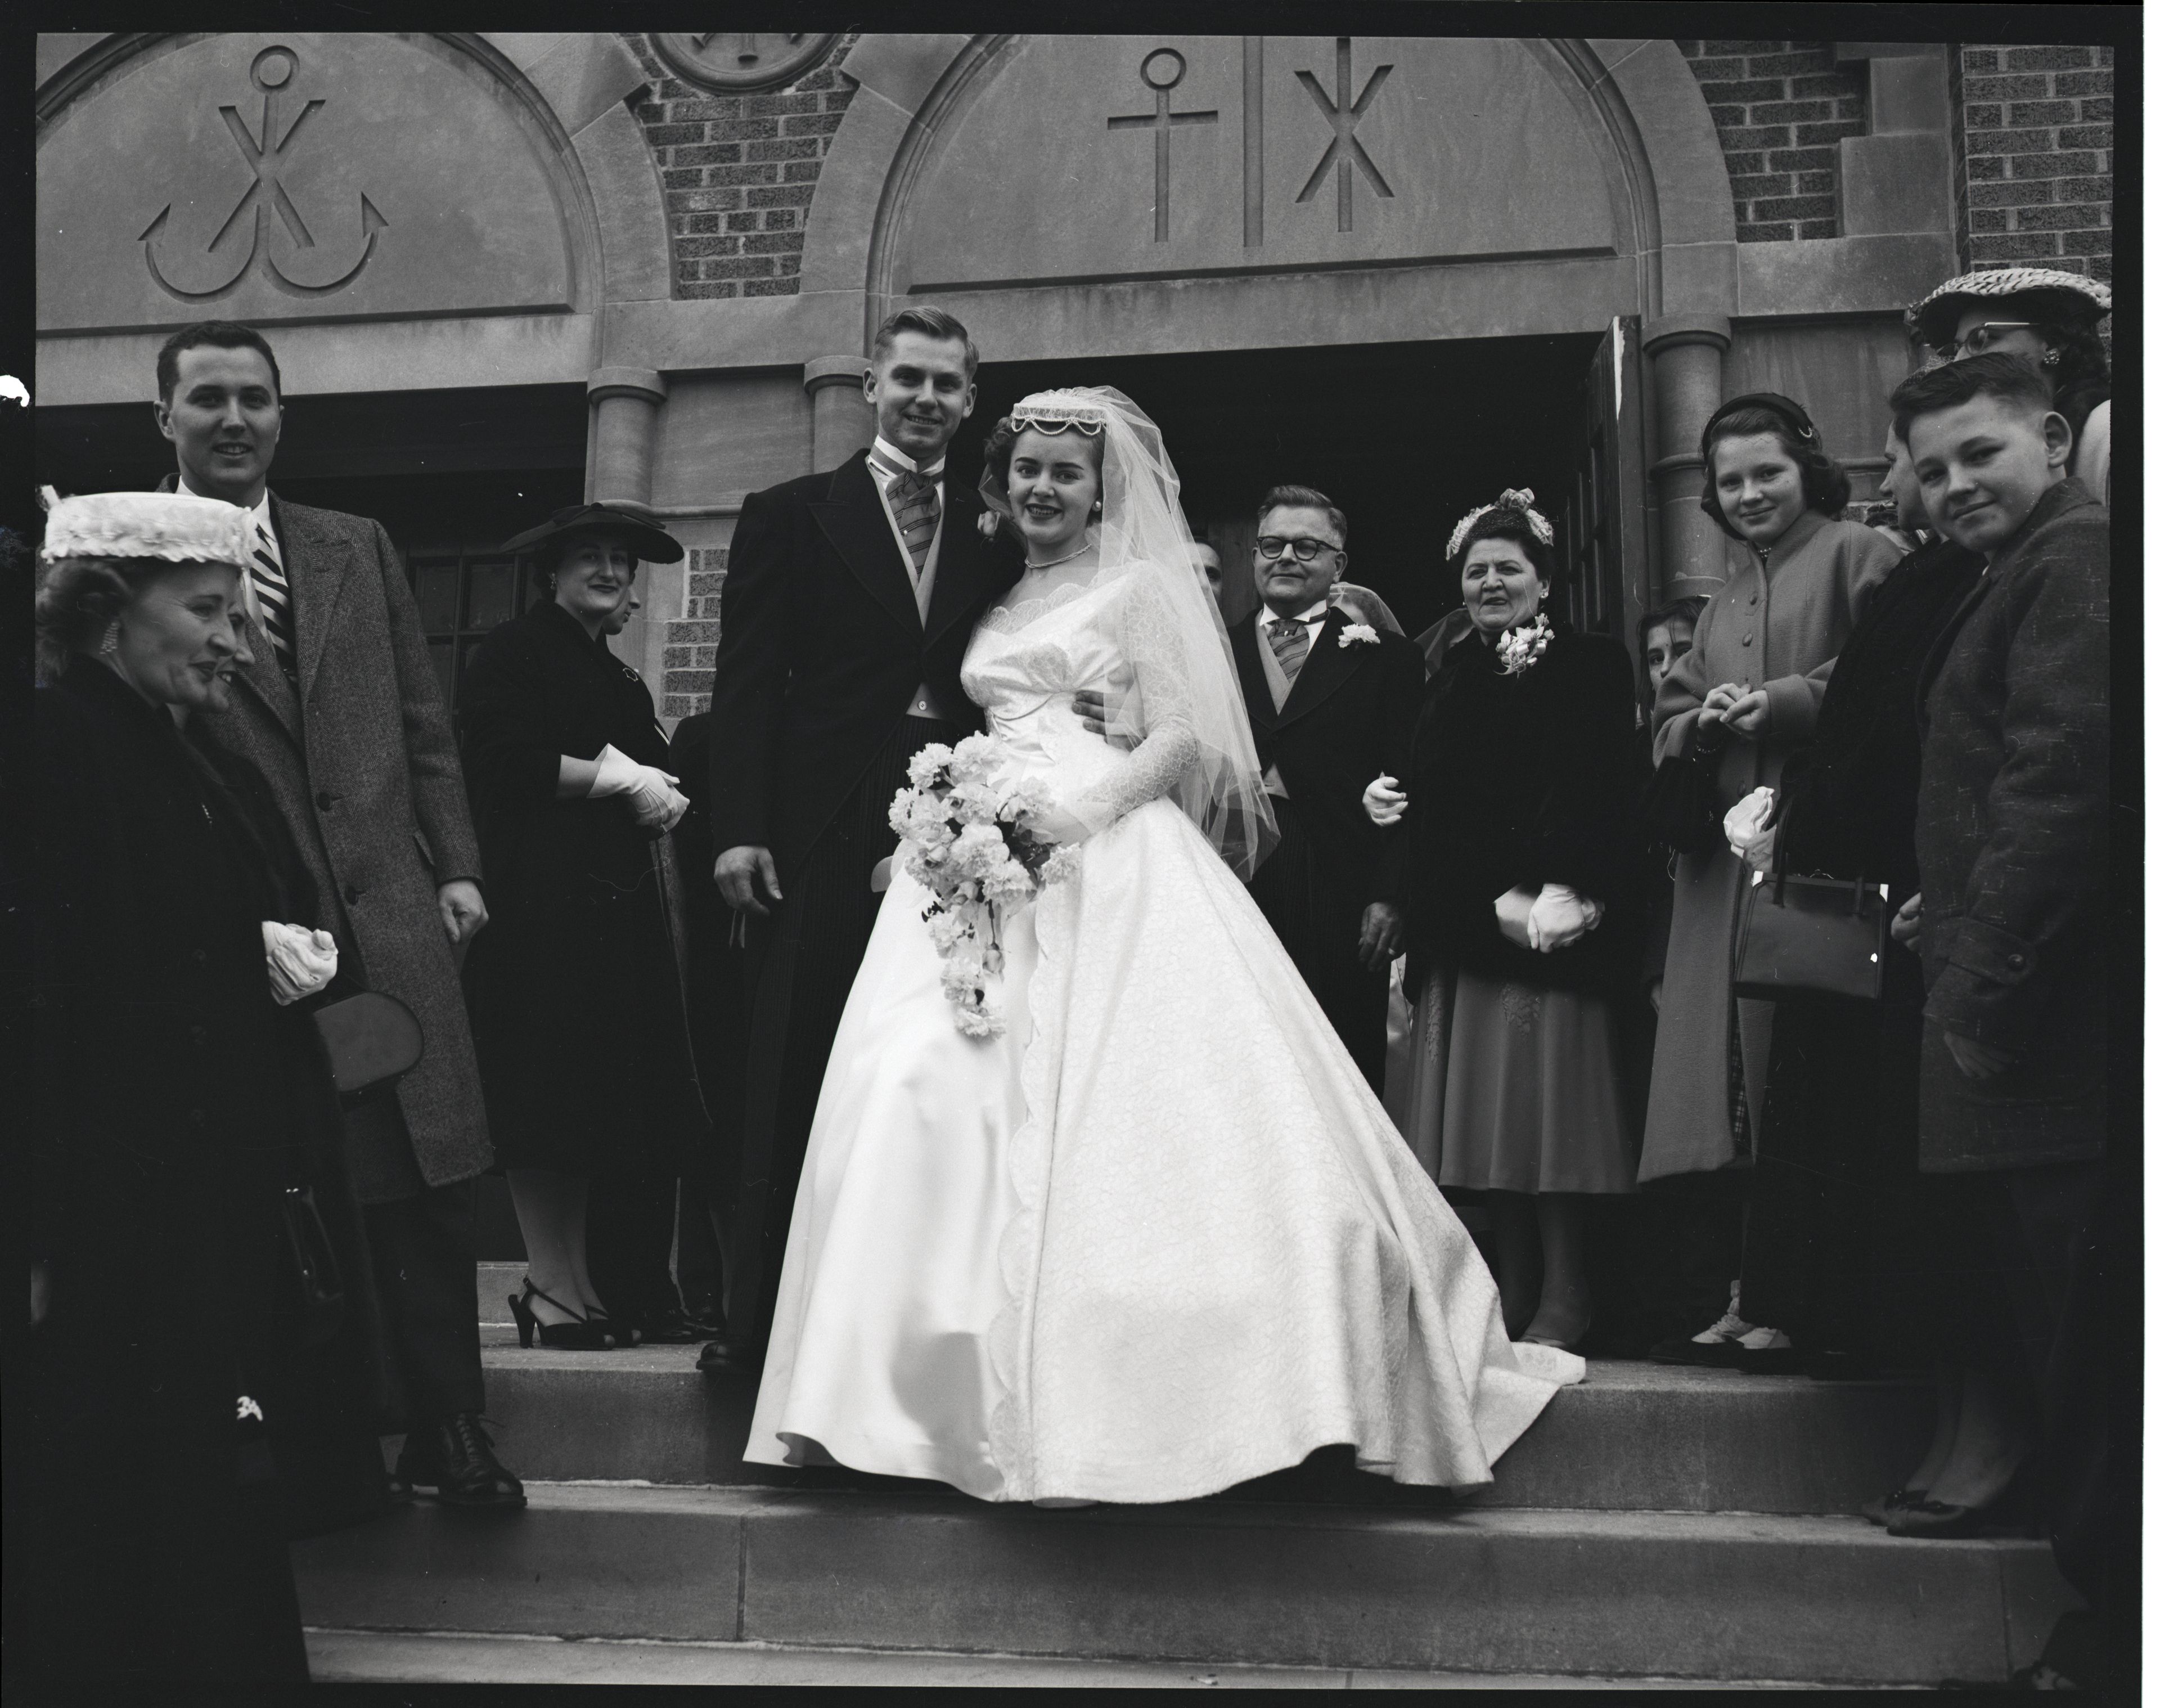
[174, 1097]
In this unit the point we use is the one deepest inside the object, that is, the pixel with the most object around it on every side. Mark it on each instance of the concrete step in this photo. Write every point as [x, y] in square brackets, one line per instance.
[1691, 1594]
[486, 1658]
[1634, 1436]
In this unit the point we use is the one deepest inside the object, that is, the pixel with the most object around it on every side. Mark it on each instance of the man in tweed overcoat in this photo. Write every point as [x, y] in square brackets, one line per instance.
[340, 709]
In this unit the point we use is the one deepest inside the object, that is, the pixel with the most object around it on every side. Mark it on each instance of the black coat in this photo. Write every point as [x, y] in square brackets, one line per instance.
[171, 1113]
[1527, 779]
[1349, 718]
[1848, 800]
[577, 1003]
[2012, 840]
[821, 649]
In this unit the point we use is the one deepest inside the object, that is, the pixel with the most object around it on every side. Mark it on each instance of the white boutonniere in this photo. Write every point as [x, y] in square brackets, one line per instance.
[1359, 634]
[1521, 647]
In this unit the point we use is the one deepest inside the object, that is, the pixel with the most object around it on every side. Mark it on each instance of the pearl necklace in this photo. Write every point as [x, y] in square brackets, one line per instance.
[1084, 546]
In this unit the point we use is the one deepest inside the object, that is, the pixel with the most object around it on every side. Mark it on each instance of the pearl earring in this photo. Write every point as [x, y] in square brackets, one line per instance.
[112, 643]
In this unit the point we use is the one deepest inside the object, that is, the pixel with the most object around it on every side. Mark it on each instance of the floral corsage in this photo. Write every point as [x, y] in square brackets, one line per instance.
[1521, 647]
[963, 838]
[1358, 633]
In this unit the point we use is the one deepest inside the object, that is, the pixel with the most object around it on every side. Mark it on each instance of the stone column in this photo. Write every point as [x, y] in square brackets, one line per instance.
[625, 405]
[840, 422]
[1687, 357]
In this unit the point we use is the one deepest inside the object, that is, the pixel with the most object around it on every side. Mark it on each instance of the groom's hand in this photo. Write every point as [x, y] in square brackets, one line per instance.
[1092, 707]
[737, 872]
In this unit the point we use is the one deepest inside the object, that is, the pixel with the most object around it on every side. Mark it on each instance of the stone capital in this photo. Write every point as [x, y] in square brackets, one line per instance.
[1669, 331]
[828, 370]
[643, 383]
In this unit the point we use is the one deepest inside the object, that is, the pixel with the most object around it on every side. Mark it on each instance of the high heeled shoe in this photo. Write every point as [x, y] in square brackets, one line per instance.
[579, 1335]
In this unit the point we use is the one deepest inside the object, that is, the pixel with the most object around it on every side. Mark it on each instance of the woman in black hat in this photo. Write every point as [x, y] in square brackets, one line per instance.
[1737, 706]
[577, 1000]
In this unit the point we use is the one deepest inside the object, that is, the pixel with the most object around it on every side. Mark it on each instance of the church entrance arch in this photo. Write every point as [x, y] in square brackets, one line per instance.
[1403, 253]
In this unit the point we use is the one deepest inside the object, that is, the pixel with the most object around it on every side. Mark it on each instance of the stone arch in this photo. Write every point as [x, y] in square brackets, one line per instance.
[563, 95]
[1672, 194]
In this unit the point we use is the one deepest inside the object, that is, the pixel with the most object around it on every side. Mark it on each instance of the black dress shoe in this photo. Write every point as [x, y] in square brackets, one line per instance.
[729, 1357]
[454, 1457]
[676, 1328]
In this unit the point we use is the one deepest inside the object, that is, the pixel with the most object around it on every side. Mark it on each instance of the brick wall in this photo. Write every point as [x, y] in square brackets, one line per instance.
[2035, 157]
[737, 172]
[692, 639]
[1780, 108]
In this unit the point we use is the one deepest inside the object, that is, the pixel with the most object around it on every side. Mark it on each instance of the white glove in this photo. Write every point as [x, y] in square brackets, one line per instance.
[653, 797]
[301, 962]
[1513, 911]
[1384, 800]
[1744, 831]
[1559, 916]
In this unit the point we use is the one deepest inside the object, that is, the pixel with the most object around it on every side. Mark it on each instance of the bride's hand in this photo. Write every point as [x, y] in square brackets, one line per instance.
[1384, 801]
[1054, 824]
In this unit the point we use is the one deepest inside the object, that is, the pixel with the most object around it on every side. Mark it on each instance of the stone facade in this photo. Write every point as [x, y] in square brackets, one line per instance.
[2035, 178]
[1781, 109]
[738, 172]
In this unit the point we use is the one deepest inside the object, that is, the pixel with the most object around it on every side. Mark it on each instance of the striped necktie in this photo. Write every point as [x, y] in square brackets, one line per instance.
[914, 501]
[272, 595]
[1290, 642]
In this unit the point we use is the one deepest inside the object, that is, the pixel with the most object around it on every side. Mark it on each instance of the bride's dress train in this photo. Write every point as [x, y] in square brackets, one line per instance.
[1159, 1237]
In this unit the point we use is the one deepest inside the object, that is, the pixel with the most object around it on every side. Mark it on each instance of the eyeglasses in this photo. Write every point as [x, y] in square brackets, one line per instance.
[1981, 338]
[1273, 546]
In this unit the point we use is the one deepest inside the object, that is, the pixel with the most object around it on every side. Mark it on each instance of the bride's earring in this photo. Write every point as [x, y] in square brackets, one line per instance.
[1098, 510]
[112, 642]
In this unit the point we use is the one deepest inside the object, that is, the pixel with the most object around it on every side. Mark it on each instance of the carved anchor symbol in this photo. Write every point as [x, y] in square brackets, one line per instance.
[1344, 148]
[271, 70]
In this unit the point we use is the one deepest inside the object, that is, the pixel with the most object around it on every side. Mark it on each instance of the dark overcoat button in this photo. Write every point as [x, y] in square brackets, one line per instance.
[351, 895]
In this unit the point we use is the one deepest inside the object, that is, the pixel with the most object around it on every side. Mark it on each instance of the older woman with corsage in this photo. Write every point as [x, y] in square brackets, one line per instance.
[1522, 881]
[174, 1090]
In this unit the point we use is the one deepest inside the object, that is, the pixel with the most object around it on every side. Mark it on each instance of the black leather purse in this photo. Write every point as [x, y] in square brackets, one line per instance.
[1811, 937]
[365, 1039]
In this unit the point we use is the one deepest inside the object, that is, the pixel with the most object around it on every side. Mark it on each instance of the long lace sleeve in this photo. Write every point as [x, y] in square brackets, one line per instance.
[1156, 707]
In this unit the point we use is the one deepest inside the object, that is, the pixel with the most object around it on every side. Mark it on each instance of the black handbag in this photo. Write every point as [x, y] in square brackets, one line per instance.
[1811, 937]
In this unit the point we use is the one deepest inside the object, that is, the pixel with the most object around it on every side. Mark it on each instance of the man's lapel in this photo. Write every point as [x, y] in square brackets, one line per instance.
[969, 572]
[317, 566]
[853, 519]
[261, 675]
[1328, 665]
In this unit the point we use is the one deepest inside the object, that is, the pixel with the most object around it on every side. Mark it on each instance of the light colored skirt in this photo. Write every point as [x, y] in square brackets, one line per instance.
[1531, 1101]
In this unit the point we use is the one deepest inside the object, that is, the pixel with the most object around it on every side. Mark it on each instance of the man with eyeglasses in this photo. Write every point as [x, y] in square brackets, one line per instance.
[1333, 703]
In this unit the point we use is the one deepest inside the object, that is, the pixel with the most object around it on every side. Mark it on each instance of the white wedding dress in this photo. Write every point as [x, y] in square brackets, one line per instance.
[1158, 1237]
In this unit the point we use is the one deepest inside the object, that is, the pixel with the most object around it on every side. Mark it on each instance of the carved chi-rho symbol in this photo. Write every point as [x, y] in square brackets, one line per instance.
[271, 70]
[1162, 71]
[1343, 148]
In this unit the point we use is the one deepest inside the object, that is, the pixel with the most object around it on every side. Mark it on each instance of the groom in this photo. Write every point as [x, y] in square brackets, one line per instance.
[849, 600]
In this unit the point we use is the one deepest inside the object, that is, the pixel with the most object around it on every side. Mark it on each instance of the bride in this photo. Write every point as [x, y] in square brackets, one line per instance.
[1156, 1236]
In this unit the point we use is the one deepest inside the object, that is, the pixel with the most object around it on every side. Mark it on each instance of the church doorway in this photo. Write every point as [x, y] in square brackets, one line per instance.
[1405, 437]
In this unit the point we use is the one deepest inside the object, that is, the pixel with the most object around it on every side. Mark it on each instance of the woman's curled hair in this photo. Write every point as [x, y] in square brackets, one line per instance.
[1504, 522]
[1824, 482]
[78, 598]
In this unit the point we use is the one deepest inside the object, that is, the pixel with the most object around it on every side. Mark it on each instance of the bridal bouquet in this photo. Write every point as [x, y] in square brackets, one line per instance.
[964, 836]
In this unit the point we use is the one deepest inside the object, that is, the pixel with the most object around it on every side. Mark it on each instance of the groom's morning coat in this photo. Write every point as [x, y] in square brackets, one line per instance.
[821, 649]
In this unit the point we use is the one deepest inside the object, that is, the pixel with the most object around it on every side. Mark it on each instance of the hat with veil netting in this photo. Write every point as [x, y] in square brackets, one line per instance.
[1172, 628]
